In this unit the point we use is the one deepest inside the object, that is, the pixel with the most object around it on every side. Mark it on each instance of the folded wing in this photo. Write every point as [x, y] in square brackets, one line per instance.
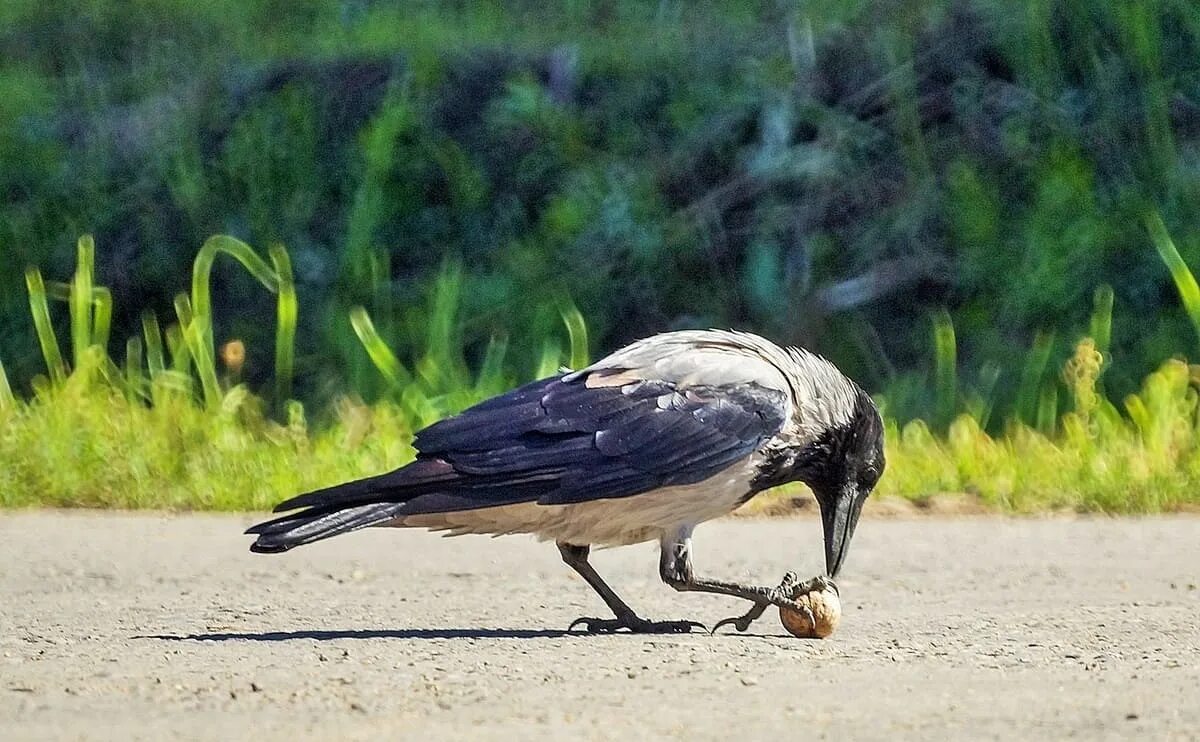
[559, 441]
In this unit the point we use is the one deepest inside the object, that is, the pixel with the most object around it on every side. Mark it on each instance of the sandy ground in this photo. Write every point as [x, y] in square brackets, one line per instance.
[165, 627]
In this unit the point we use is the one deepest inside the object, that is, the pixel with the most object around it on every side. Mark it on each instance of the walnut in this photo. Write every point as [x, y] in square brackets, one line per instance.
[826, 608]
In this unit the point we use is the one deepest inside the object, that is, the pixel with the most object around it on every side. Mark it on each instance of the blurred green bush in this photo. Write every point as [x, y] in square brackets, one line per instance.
[831, 174]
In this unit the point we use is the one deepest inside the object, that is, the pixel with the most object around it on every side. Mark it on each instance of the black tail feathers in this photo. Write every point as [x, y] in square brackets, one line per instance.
[317, 523]
[350, 506]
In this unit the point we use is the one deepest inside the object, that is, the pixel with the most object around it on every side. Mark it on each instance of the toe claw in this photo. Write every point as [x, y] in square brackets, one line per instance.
[735, 621]
[742, 622]
[808, 614]
[586, 622]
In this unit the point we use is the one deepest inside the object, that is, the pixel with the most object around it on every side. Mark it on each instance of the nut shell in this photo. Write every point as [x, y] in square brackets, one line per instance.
[826, 609]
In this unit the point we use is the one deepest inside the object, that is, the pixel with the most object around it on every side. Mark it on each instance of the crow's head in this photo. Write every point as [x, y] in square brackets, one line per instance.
[841, 467]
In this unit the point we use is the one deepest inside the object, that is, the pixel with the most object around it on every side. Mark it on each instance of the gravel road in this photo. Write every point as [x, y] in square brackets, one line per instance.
[117, 626]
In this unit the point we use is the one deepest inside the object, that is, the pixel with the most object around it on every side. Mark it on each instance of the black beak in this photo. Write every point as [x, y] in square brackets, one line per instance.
[839, 516]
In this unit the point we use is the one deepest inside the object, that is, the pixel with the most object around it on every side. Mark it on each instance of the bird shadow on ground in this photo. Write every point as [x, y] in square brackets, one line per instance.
[332, 635]
[284, 636]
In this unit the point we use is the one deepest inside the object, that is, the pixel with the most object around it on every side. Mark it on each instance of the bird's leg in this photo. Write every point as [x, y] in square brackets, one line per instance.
[783, 595]
[576, 557]
[675, 568]
[789, 588]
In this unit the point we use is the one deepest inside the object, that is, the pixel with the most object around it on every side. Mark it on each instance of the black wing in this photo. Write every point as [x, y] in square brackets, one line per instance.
[556, 442]
[553, 442]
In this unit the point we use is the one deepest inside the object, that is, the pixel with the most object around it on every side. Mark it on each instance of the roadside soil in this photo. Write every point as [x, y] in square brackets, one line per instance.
[153, 626]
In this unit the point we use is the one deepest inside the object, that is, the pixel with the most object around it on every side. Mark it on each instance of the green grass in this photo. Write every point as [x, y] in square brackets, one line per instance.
[1146, 460]
[166, 428]
[85, 444]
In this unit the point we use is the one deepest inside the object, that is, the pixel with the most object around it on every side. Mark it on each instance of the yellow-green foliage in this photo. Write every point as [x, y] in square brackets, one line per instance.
[85, 444]
[1098, 460]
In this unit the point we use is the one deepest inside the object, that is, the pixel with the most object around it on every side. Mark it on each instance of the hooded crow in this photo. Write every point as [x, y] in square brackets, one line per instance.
[660, 436]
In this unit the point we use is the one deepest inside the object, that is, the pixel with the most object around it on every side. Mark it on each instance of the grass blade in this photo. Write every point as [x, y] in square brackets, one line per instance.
[1100, 325]
[181, 358]
[135, 381]
[550, 359]
[108, 369]
[378, 351]
[287, 313]
[7, 400]
[1047, 408]
[198, 331]
[1029, 389]
[102, 308]
[442, 367]
[1185, 282]
[58, 291]
[154, 346]
[576, 332]
[197, 338]
[239, 251]
[491, 373]
[80, 303]
[981, 402]
[945, 367]
[45, 329]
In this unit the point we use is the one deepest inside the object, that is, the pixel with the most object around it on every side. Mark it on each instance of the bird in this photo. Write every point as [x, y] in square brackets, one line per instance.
[643, 445]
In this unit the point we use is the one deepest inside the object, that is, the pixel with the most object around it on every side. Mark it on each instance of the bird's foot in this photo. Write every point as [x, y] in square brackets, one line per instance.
[634, 625]
[783, 595]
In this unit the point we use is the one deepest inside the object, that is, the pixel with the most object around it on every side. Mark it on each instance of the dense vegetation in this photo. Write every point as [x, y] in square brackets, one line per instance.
[170, 426]
[944, 197]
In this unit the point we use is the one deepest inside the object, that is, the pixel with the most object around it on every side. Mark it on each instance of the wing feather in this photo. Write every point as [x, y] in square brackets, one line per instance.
[559, 441]
[600, 442]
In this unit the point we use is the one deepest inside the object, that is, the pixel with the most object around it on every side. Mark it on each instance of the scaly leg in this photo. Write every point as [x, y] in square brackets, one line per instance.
[675, 568]
[576, 557]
